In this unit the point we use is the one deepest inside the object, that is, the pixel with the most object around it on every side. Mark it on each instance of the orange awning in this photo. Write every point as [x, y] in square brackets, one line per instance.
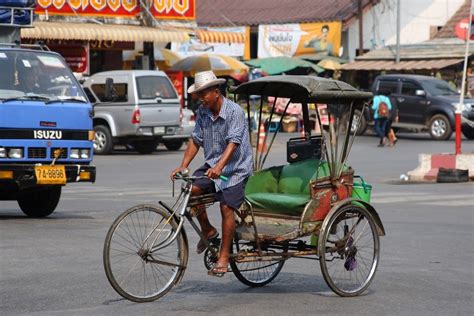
[220, 37]
[101, 32]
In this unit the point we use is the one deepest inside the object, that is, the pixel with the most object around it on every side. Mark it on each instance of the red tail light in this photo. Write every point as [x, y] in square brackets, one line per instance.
[136, 117]
[192, 118]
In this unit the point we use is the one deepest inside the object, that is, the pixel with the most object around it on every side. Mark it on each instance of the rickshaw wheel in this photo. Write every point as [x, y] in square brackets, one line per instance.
[349, 250]
[136, 266]
[257, 273]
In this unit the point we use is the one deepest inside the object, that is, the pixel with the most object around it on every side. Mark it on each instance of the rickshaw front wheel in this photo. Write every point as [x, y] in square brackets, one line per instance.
[349, 250]
[142, 259]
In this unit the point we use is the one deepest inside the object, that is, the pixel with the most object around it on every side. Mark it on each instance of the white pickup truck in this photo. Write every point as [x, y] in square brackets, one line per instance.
[136, 108]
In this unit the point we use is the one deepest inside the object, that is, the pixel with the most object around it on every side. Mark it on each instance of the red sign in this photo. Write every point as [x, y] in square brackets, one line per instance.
[102, 8]
[462, 28]
[177, 78]
[75, 56]
[174, 9]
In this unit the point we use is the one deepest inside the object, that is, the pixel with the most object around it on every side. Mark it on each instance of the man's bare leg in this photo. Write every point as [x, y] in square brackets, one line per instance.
[206, 227]
[228, 229]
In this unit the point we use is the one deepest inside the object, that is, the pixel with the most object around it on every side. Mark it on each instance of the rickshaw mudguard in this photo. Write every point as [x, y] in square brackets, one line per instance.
[367, 206]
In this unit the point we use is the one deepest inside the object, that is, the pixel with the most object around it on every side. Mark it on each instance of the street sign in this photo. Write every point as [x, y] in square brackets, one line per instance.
[462, 28]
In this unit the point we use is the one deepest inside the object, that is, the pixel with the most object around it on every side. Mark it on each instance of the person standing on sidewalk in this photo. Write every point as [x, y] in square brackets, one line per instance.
[381, 106]
[393, 117]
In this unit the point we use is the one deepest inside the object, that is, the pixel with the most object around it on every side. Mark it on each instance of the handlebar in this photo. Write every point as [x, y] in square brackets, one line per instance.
[180, 176]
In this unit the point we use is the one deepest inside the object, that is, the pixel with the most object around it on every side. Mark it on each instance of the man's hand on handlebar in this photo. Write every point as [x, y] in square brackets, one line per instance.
[214, 172]
[175, 171]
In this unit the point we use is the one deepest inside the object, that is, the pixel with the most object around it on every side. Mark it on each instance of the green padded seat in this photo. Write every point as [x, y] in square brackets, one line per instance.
[279, 203]
[283, 190]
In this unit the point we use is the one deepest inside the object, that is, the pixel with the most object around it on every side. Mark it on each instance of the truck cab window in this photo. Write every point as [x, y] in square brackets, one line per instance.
[409, 88]
[120, 91]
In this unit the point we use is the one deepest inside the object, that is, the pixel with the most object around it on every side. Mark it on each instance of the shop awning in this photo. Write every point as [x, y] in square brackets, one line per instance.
[101, 32]
[220, 37]
[403, 65]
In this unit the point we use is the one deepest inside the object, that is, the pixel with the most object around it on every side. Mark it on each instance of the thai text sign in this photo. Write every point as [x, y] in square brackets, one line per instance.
[297, 39]
[100, 8]
[174, 9]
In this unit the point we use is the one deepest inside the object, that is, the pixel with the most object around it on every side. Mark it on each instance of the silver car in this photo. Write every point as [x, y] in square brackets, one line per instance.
[136, 108]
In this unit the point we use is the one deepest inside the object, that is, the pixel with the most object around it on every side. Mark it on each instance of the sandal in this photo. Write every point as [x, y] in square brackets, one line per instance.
[218, 271]
[201, 246]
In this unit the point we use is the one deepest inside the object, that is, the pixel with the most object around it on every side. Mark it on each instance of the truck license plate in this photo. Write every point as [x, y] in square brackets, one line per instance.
[50, 174]
[159, 130]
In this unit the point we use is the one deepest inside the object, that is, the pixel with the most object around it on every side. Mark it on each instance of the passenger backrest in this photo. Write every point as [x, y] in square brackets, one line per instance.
[295, 177]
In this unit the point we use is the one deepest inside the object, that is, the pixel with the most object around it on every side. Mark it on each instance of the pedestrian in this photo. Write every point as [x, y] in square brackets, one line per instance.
[221, 130]
[393, 117]
[381, 106]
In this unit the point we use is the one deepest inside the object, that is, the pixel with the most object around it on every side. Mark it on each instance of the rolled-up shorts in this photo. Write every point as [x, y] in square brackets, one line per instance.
[232, 196]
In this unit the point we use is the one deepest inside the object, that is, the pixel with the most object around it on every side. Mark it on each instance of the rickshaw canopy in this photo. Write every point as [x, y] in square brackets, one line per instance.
[303, 89]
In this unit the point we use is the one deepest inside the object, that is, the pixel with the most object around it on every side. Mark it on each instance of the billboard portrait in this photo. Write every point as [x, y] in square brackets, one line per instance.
[297, 39]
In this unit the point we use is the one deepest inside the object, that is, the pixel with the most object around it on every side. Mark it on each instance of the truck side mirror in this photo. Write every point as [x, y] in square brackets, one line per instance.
[109, 94]
[420, 93]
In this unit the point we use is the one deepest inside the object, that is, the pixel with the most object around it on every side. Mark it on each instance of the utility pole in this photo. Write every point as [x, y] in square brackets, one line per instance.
[458, 112]
[397, 58]
[361, 28]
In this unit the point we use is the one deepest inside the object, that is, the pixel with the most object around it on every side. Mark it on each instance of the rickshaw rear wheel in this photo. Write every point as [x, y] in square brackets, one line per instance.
[255, 273]
[349, 250]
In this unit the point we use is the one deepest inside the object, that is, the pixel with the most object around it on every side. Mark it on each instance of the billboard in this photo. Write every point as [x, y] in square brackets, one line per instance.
[297, 39]
[161, 9]
[99, 8]
[174, 9]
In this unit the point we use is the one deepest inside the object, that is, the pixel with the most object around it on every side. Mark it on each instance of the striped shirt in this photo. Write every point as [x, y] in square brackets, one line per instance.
[214, 134]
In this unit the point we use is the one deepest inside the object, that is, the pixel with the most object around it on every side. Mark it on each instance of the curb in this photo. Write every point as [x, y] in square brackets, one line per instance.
[429, 164]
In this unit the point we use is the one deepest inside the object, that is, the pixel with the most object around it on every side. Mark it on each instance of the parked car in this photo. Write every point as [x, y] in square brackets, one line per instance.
[182, 133]
[136, 108]
[424, 103]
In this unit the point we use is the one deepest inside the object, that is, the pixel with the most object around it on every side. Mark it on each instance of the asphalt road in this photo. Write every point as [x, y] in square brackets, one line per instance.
[53, 266]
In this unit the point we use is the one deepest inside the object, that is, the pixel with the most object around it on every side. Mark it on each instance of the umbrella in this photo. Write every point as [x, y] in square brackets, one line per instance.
[329, 64]
[221, 65]
[165, 58]
[278, 65]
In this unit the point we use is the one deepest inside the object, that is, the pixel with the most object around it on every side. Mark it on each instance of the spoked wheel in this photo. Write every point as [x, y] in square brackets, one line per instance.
[142, 261]
[349, 250]
[255, 273]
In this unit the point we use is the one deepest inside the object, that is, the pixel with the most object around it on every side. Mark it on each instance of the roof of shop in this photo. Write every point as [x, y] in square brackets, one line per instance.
[437, 48]
[253, 12]
[448, 30]
[420, 64]
[433, 54]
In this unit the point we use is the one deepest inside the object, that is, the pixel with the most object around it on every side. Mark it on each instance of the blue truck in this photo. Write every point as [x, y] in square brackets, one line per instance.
[46, 131]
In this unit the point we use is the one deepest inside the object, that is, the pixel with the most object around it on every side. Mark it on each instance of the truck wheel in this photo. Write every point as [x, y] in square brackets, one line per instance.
[468, 132]
[39, 202]
[103, 143]
[439, 127]
[359, 126]
[174, 145]
[145, 146]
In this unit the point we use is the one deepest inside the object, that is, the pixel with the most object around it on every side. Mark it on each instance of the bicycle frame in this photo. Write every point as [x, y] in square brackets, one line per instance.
[180, 213]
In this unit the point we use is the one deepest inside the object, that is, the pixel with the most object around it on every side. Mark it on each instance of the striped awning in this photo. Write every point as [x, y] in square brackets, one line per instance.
[418, 64]
[101, 32]
[220, 37]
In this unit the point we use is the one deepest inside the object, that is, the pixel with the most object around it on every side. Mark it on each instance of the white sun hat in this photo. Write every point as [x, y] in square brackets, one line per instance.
[203, 80]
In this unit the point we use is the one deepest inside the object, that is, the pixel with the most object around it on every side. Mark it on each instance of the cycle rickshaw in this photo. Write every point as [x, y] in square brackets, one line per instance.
[314, 196]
